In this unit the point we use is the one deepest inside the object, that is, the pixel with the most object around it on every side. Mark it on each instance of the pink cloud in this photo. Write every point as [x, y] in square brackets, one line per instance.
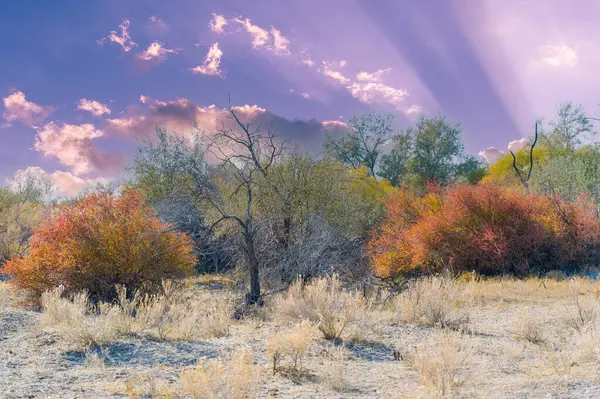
[372, 77]
[66, 183]
[280, 42]
[212, 63]
[73, 146]
[17, 108]
[333, 74]
[94, 107]
[159, 23]
[156, 51]
[179, 115]
[123, 40]
[260, 36]
[217, 23]
[369, 89]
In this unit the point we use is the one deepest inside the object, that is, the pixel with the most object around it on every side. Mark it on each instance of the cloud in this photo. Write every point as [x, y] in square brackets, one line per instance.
[72, 145]
[123, 40]
[179, 116]
[212, 63]
[372, 77]
[303, 95]
[217, 23]
[335, 75]
[557, 56]
[156, 52]
[374, 93]
[414, 109]
[17, 108]
[67, 184]
[280, 42]
[517, 145]
[332, 124]
[260, 36]
[94, 107]
[491, 154]
[368, 88]
[159, 23]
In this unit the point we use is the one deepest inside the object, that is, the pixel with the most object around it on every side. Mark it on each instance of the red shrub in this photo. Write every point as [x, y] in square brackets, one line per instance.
[100, 241]
[486, 228]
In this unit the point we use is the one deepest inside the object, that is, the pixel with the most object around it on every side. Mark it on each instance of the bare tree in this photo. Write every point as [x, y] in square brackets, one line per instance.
[178, 164]
[525, 179]
[250, 152]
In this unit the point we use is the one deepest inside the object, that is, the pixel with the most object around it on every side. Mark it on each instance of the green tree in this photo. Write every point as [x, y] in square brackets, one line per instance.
[569, 127]
[395, 163]
[362, 145]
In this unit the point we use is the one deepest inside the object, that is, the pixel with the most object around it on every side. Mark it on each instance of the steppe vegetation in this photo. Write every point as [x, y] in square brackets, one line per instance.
[229, 266]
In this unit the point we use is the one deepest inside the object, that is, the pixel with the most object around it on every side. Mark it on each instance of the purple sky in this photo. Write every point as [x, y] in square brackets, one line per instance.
[79, 79]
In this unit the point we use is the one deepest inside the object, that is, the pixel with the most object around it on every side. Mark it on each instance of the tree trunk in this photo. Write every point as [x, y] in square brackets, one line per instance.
[253, 297]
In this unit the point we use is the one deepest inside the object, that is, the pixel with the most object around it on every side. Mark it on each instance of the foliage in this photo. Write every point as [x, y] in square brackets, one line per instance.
[502, 172]
[569, 173]
[100, 241]
[22, 204]
[432, 151]
[488, 229]
[569, 127]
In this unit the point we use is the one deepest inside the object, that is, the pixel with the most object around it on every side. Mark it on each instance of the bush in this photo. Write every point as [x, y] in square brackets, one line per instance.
[487, 229]
[98, 242]
[324, 303]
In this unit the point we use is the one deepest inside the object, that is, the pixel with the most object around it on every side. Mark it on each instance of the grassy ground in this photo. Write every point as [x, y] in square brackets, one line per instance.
[488, 339]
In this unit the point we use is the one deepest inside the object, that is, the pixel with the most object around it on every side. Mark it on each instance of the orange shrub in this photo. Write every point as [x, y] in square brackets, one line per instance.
[99, 241]
[488, 228]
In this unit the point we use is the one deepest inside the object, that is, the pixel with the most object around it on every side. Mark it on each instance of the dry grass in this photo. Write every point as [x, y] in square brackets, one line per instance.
[286, 350]
[524, 339]
[178, 313]
[324, 303]
[436, 302]
[336, 375]
[236, 378]
[439, 362]
[5, 294]
[529, 328]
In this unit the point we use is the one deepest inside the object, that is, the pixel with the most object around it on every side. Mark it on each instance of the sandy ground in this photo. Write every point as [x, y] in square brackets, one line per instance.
[36, 364]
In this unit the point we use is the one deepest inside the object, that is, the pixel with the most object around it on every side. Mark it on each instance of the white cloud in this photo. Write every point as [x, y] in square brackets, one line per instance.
[94, 107]
[67, 184]
[17, 108]
[72, 145]
[333, 74]
[373, 77]
[491, 154]
[123, 40]
[260, 36]
[558, 56]
[212, 63]
[377, 93]
[517, 145]
[217, 23]
[414, 109]
[280, 42]
[156, 51]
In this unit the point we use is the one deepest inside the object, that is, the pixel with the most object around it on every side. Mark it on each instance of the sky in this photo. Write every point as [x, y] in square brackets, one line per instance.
[81, 81]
